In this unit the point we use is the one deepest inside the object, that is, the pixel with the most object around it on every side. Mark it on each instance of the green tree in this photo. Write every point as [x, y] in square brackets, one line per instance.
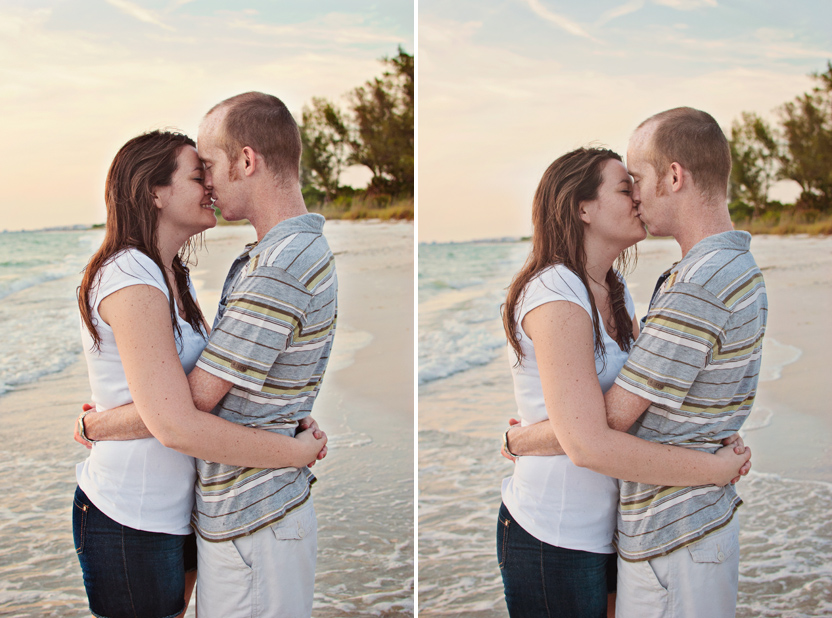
[807, 132]
[383, 111]
[326, 148]
[754, 156]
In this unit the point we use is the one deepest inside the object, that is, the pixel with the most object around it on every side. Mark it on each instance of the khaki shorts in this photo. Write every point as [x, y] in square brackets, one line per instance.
[694, 581]
[269, 573]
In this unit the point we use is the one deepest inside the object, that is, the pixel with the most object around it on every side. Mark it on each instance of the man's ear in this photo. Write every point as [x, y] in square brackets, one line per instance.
[249, 161]
[678, 177]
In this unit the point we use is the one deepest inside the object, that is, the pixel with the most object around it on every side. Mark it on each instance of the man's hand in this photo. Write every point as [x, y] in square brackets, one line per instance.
[311, 423]
[86, 407]
[739, 448]
[511, 423]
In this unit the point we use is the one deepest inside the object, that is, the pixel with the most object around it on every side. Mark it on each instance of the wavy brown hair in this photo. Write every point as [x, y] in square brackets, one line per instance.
[558, 238]
[144, 163]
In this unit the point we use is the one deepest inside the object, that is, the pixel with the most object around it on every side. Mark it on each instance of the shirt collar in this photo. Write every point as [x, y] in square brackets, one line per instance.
[735, 239]
[309, 222]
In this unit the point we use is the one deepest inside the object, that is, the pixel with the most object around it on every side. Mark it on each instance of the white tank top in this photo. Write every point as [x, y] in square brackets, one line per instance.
[138, 483]
[550, 497]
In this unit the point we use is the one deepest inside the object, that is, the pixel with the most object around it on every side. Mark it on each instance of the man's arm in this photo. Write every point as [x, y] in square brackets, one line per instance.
[125, 423]
[623, 409]
[575, 404]
[540, 438]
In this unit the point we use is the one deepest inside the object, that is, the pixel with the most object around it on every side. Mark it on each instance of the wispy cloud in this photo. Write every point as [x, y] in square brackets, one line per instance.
[334, 27]
[175, 4]
[620, 11]
[140, 13]
[686, 5]
[560, 21]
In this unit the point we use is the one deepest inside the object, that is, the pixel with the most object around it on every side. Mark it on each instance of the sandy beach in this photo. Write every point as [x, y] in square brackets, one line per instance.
[464, 404]
[364, 493]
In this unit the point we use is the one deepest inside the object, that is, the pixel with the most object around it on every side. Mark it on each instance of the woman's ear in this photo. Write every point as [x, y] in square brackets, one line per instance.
[584, 212]
[157, 199]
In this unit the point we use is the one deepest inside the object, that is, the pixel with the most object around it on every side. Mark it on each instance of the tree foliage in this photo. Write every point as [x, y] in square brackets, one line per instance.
[807, 137]
[384, 111]
[799, 149]
[326, 147]
[376, 131]
[755, 157]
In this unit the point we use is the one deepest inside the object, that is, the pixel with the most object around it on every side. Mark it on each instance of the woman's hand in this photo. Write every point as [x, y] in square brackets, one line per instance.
[313, 442]
[736, 441]
[308, 422]
[733, 459]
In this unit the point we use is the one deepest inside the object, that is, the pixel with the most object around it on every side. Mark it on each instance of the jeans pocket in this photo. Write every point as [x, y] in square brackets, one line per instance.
[80, 510]
[503, 526]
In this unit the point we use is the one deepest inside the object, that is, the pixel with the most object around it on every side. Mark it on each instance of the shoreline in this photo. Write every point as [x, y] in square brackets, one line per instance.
[790, 424]
[365, 562]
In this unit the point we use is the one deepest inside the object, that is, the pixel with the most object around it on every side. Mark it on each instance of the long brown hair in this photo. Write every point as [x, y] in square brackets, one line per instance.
[144, 163]
[558, 238]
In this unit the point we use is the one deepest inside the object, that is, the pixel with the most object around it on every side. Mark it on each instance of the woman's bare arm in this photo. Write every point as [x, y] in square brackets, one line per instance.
[562, 335]
[140, 319]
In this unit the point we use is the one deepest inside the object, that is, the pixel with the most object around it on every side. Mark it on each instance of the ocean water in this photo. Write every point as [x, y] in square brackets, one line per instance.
[465, 399]
[365, 558]
[39, 272]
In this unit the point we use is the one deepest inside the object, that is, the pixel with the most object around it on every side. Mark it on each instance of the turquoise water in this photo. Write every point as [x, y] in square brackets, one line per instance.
[39, 272]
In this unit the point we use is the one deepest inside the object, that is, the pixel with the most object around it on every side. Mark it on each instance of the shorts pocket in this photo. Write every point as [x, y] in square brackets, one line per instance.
[716, 547]
[640, 590]
[503, 528]
[80, 511]
[296, 526]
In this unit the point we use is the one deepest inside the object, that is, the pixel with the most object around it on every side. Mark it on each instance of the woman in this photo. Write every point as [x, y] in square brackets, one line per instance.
[570, 322]
[133, 504]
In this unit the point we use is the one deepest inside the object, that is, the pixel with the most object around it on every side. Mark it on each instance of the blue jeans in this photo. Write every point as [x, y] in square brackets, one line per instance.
[130, 573]
[543, 580]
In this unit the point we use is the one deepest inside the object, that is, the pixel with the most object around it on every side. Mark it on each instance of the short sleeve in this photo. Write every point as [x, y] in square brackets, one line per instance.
[628, 301]
[553, 284]
[130, 267]
[264, 312]
[680, 332]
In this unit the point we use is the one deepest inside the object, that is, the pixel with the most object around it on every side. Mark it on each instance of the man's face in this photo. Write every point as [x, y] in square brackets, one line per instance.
[647, 194]
[221, 177]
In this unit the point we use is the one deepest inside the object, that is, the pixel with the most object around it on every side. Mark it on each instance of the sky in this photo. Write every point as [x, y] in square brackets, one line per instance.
[507, 86]
[78, 78]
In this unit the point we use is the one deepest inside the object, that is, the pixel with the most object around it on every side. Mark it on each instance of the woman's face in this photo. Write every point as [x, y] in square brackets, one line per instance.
[612, 216]
[185, 204]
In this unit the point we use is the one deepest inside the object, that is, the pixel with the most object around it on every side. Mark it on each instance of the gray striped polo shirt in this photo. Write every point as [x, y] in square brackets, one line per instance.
[271, 339]
[697, 360]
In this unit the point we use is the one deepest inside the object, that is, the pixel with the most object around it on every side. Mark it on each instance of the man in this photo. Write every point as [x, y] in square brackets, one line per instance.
[691, 376]
[262, 367]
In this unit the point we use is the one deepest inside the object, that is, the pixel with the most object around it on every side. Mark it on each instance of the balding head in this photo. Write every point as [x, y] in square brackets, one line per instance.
[261, 122]
[691, 138]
